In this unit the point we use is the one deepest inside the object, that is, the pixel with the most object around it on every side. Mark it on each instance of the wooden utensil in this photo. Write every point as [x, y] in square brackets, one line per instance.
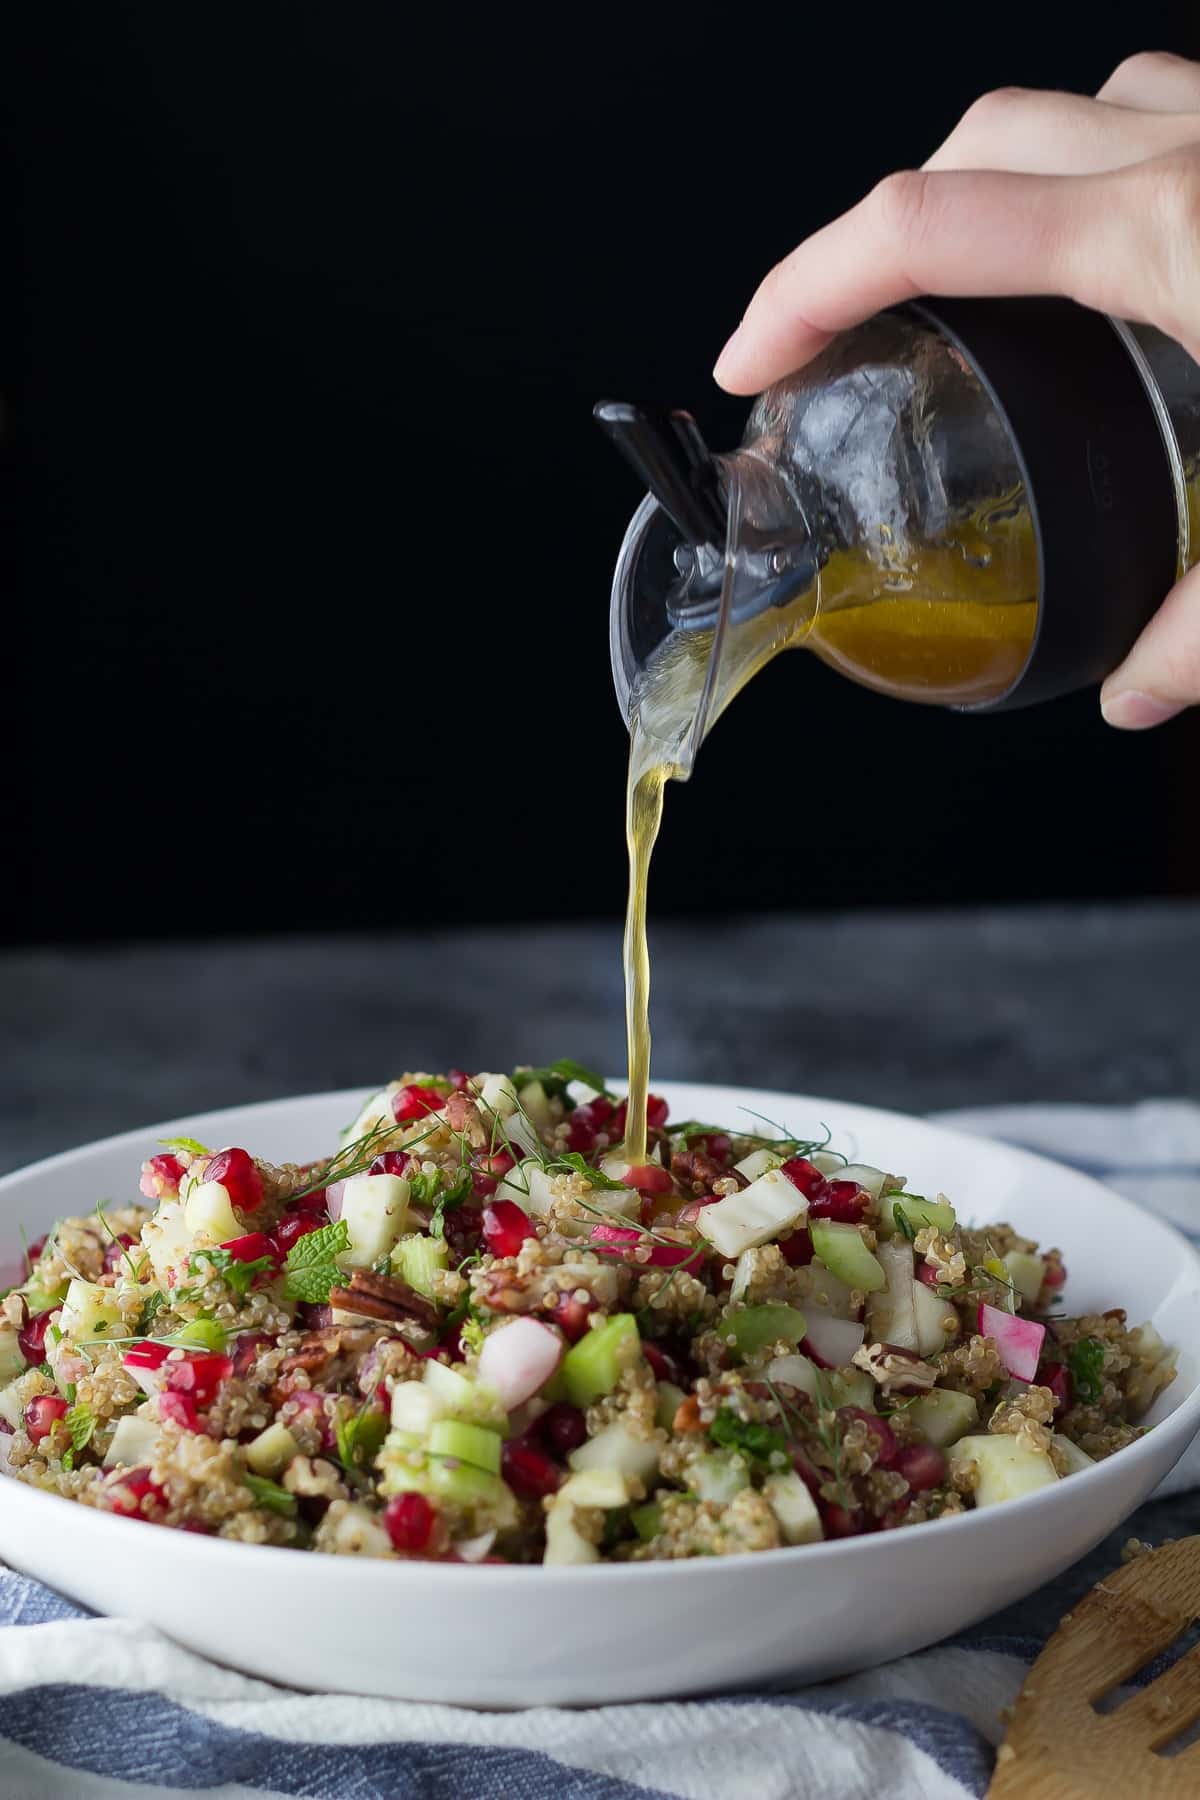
[1058, 1746]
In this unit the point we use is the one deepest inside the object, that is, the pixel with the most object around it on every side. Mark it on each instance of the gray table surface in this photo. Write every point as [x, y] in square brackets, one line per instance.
[916, 1011]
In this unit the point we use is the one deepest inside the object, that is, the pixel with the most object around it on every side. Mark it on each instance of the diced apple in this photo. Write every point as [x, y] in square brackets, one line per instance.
[1074, 1459]
[717, 1477]
[827, 1293]
[943, 1415]
[852, 1387]
[767, 1209]
[758, 1163]
[458, 1397]
[90, 1311]
[565, 1546]
[271, 1450]
[134, 1442]
[863, 1176]
[891, 1312]
[530, 1186]
[536, 1105]
[616, 1447]
[1026, 1273]
[795, 1371]
[498, 1095]
[374, 1111]
[841, 1249]
[936, 1320]
[209, 1215]
[1005, 1468]
[374, 1212]
[794, 1508]
[415, 1406]
[168, 1240]
[604, 1488]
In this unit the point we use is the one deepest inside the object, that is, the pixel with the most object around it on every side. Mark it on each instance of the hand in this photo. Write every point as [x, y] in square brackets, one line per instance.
[1032, 193]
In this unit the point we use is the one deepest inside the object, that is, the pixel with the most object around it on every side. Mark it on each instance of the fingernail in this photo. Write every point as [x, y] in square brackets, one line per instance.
[727, 355]
[1132, 710]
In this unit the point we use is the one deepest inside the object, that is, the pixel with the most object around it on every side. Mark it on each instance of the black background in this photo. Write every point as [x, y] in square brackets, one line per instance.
[307, 532]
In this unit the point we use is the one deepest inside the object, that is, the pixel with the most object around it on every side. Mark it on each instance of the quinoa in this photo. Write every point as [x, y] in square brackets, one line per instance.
[226, 1358]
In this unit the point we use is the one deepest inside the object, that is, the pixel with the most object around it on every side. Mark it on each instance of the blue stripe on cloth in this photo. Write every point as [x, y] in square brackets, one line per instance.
[946, 1738]
[146, 1738]
[26, 1602]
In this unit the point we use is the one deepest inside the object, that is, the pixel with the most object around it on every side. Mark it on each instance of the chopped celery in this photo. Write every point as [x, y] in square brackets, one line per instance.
[593, 1367]
[754, 1327]
[917, 1211]
[473, 1444]
[199, 1334]
[647, 1520]
[841, 1249]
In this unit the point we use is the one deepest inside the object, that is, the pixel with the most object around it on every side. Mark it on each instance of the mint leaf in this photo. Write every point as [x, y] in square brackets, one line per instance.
[453, 1196]
[154, 1304]
[81, 1422]
[266, 1493]
[311, 1268]
[753, 1440]
[1086, 1363]
[236, 1275]
[185, 1143]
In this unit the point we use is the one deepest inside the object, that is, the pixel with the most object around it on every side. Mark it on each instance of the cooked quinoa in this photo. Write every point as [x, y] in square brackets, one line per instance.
[475, 1332]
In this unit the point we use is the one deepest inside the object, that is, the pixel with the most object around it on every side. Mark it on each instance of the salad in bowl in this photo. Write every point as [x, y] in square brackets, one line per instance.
[475, 1333]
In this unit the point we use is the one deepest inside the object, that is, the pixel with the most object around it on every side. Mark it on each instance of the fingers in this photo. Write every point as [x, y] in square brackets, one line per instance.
[1127, 242]
[1161, 674]
[1155, 81]
[1060, 134]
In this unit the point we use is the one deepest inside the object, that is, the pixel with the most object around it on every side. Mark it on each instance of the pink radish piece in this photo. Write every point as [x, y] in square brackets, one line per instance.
[145, 1363]
[1019, 1341]
[831, 1342]
[333, 1198]
[519, 1359]
[628, 1237]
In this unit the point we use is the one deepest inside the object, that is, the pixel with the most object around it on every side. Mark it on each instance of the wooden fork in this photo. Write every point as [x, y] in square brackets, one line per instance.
[1058, 1746]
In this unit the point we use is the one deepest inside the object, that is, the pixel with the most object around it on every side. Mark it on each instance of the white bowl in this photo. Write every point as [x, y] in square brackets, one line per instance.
[506, 1637]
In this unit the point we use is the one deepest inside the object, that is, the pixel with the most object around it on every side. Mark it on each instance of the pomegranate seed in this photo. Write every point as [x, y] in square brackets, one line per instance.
[563, 1428]
[805, 1175]
[922, 1466]
[648, 1178]
[250, 1248]
[843, 1201]
[569, 1314]
[462, 1227]
[409, 1521]
[114, 1251]
[161, 1177]
[1055, 1275]
[580, 1135]
[505, 1228]
[415, 1102]
[239, 1175]
[797, 1248]
[390, 1162]
[528, 1471]
[199, 1375]
[489, 1170]
[840, 1523]
[927, 1273]
[317, 1202]
[1057, 1377]
[126, 1493]
[179, 1409]
[32, 1336]
[146, 1356]
[34, 1251]
[886, 1448]
[246, 1347]
[663, 1365]
[42, 1415]
[289, 1230]
[459, 1080]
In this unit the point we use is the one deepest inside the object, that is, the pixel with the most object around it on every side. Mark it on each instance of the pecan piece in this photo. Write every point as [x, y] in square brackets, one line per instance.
[384, 1297]
[695, 1172]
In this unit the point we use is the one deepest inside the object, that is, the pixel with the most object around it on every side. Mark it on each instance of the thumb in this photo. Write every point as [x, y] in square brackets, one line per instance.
[1161, 674]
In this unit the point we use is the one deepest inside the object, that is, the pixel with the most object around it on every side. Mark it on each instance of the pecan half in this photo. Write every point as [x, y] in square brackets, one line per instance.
[383, 1297]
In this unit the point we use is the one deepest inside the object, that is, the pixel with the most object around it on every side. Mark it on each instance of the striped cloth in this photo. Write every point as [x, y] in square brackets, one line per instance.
[99, 1708]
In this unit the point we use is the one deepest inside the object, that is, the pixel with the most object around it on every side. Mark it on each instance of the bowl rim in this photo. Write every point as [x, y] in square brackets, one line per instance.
[1181, 1424]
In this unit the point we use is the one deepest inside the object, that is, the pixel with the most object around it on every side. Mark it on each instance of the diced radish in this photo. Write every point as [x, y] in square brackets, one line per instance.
[661, 1256]
[145, 1364]
[334, 1192]
[519, 1359]
[1018, 1341]
[161, 1176]
[831, 1342]
[199, 1375]
[181, 1410]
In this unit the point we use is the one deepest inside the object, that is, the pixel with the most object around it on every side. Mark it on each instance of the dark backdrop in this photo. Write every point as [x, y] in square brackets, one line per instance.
[308, 534]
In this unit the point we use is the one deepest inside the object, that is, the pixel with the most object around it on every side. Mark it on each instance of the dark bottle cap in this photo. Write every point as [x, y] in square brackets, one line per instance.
[1099, 483]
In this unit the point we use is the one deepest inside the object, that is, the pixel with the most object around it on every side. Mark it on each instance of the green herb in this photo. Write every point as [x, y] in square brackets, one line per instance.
[356, 1158]
[555, 1077]
[1086, 1363]
[43, 1368]
[575, 1163]
[266, 1493]
[311, 1268]
[69, 1393]
[359, 1437]
[756, 1441]
[239, 1276]
[185, 1143]
[153, 1305]
[904, 1224]
[451, 1197]
[135, 1268]
[785, 1141]
[81, 1422]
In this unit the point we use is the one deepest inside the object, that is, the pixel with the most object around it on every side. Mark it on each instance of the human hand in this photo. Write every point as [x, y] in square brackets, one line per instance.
[1032, 193]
